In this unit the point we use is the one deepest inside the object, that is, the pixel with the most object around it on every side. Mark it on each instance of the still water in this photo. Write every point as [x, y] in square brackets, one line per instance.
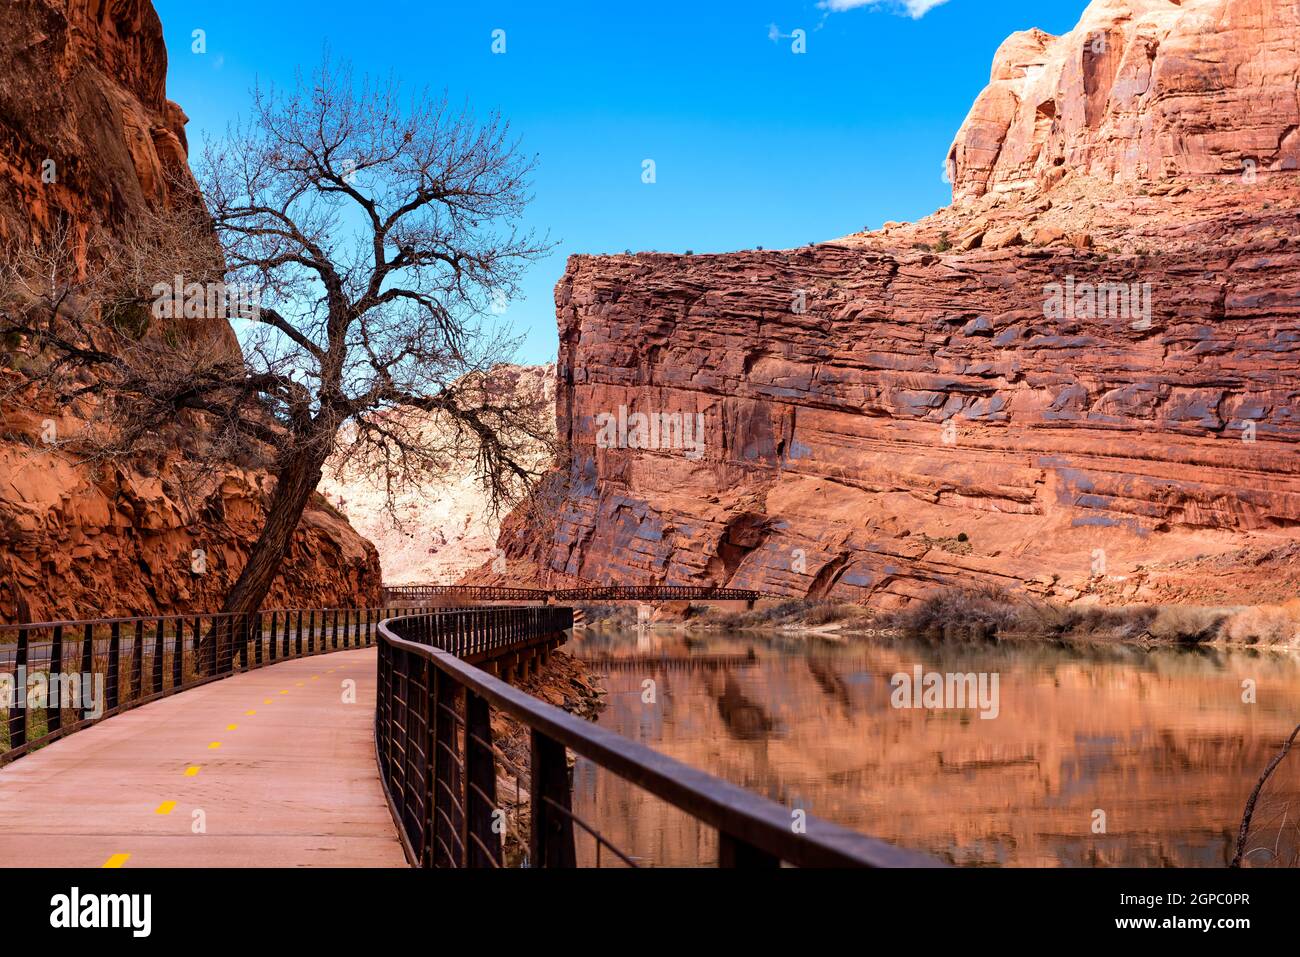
[1159, 742]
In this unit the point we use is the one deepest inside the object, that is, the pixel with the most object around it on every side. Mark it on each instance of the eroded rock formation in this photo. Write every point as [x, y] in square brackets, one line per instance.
[1139, 90]
[86, 127]
[89, 139]
[1082, 379]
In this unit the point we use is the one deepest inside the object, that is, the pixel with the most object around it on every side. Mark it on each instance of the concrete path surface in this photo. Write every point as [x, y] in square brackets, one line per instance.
[272, 768]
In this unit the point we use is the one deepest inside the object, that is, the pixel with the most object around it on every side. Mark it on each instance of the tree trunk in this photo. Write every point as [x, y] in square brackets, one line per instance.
[297, 481]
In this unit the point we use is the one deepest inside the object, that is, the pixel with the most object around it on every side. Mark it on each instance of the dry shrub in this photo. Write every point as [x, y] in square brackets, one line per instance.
[986, 609]
[1186, 625]
[1265, 625]
[796, 612]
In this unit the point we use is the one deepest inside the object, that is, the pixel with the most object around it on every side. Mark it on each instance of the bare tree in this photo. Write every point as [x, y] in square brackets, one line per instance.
[379, 232]
[383, 231]
[80, 337]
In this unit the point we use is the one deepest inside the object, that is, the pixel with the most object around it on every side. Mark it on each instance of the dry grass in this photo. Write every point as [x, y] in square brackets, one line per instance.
[1265, 625]
[787, 614]
[990, 612]
[1186, 625]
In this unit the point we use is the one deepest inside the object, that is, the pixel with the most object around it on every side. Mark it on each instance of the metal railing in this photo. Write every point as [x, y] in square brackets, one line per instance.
[654, 593]
[440, 765]
[105, 666]
[398, 594]
[401, 594]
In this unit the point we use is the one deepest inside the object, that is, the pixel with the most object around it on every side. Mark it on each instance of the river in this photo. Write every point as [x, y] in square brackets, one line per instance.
[1097, 756]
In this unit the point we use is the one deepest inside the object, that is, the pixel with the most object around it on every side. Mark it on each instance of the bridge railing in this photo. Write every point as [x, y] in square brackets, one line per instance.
[399, 594]
[441, 767]
[58, 677]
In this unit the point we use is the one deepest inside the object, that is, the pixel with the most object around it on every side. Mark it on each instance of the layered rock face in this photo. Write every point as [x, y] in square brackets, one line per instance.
[86, 127]
[1085, 389]
[131, 540]
[88, 138]
[1139, 90]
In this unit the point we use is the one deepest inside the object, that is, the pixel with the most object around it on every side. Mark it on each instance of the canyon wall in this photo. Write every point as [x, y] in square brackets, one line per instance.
[88, 139]
[1138, 90]
[1081, 380]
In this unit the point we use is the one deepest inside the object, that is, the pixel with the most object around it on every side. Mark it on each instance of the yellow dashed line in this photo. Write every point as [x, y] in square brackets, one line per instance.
[285, 691]
[266, 701]
[249, 713]
[117, 860]
[232, 727]
[214, 745]
[192, 770]
[166, 807]
[298, 684]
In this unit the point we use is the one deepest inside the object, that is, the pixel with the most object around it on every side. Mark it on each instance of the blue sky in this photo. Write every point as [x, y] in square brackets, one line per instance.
[754, 145]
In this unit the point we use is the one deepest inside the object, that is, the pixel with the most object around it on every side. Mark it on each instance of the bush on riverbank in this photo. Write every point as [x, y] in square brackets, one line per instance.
[786, 614]
[1264, 625]
[981, 613]
[610, 616]
[966, 614]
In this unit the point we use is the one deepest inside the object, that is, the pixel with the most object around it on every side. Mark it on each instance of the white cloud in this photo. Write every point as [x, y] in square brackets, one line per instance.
[915, 9]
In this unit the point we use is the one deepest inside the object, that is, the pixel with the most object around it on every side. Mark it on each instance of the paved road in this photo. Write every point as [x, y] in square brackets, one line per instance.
[267, 768]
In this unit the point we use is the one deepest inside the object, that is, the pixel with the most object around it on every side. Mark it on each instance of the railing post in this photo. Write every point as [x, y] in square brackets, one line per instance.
[383, 707]
[311, 633]
[414, 770]
[401, 723]
[224, 629]
[157, 682]
[550, 840]
[284, 648]
[334, 642]
[137, 660]
[275, 634]
[178, 652]
[482, 845]
[18, 707]
[445, 776]
[54, 715]
[733, 852]
[298, 638]
[88, 653]
[245, 630]
[114, 653]
[429, 854]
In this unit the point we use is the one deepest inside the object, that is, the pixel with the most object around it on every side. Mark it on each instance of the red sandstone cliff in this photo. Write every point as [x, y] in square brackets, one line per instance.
[88, 137]
[918, 406]
[1140, 90]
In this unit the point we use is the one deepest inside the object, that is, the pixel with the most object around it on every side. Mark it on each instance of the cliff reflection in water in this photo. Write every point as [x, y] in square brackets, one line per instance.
[1160, 741]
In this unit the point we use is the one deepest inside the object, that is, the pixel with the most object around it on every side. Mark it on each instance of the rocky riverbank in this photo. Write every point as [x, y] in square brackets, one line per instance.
[565, 683]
